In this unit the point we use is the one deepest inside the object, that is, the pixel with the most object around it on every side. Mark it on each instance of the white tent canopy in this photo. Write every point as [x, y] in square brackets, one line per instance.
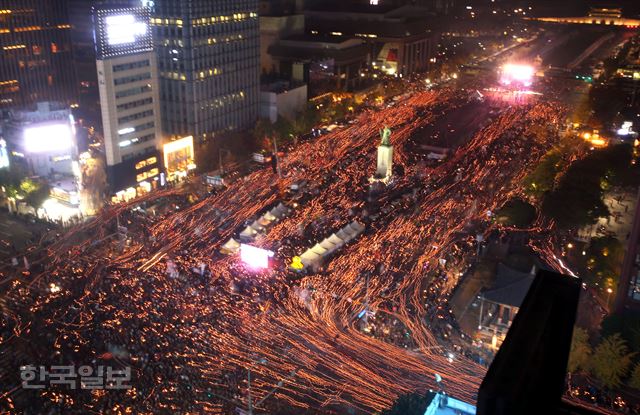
[256, 226]
[279, 211]
[248, 233]
[320, 251]
[334, 239]
[344, 236]
[231, 246]
[309, 258]
[357, 226]
[263, 221]
[328, 246]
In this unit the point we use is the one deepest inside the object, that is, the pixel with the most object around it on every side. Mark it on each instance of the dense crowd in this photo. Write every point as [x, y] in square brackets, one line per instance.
[159, 298]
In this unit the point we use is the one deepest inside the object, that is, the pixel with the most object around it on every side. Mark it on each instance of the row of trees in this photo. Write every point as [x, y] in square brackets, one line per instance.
[610, 362]
[17, 185]
[287, 131]
[576, 198]
[516, 212]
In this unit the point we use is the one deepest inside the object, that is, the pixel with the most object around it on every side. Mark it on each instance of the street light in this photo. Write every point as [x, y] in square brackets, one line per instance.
[261, 361]
[609, 291]
[220, 166]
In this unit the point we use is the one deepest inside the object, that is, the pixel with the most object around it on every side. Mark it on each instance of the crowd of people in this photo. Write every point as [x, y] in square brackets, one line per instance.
[159, 298]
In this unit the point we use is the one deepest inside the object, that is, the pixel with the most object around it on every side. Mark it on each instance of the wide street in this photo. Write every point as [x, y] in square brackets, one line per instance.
[190, 336]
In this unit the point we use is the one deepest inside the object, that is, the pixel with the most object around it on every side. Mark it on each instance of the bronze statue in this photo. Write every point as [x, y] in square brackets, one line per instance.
[385, 137]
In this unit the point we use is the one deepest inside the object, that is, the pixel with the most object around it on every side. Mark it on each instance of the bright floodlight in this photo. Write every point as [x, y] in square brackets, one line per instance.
[124, 29]
[517, 74]
[48, 138]
[255, 257]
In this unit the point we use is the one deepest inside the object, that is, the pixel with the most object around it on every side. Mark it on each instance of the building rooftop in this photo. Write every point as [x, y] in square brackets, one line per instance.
[510, 287]
[279, 86]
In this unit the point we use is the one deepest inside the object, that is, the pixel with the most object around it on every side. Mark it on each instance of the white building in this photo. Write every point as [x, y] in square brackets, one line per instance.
[129, 99]
[280, 99]
[45, 138]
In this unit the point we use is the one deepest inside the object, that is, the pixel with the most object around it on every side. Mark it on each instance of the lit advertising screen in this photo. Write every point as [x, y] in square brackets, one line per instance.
[122, 31]
[517, 75]
[254, 257]
[48, 138]
[179, 155]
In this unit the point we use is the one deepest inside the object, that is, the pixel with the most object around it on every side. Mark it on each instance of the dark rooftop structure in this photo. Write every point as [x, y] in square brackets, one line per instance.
[510, 288]
[528, 373]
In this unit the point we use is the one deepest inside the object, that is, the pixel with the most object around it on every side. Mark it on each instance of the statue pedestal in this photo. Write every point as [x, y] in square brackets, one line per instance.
[384, 169]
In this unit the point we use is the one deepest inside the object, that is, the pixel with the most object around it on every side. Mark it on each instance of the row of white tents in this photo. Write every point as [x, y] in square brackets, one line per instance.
[313, 257]
[259, 226]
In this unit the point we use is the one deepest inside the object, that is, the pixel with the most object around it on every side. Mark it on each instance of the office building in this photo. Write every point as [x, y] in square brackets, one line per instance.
[84, 54]
[209, 65]
[36, 62]
[277, 22]
[325, 63]
[400, 40]
[628, 294]
[128, 79]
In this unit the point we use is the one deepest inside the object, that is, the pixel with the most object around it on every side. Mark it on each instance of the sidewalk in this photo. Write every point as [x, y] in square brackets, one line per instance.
[622, 207]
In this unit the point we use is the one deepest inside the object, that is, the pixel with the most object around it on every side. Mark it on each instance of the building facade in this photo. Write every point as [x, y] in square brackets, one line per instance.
[399, 39]
[44, 139]
[209, 65]
[36, 62]
[628, 294]
[84, 54]
[129, 100]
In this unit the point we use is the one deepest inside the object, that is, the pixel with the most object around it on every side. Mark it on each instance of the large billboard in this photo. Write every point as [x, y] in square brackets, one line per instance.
[50, 137]
[255, 257]
[122, 31]
[179, 157]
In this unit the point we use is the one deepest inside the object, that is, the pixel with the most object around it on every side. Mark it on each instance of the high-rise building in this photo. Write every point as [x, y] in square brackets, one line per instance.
[127, 80]
[84, 54]
[209, 65]
[36, 62]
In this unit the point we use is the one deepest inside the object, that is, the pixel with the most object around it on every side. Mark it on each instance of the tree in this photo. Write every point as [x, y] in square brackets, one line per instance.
[11, 179]
[634, 380]
[306, 120]
[410, 404]
[541, 180]
[283, 131]
[37, 194]
[578, 199]
[580, 351]
[604, 257]
[627, 324]
[516, 212]
[611, 361]
[262, 133]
